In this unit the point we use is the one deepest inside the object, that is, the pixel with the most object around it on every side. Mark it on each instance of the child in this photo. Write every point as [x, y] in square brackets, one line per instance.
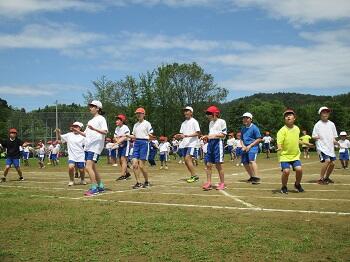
[41, 154]
[12, 145]
[175, 146]
[153, 148]
[122, 151]
[289, 151]
[305, 138]
[164, 149]
[141, 132]
[344, 145]
[251, 138]
[26, 152]
[180, 152]
[76, 155]
[48, 152]
[54, 153]
[325, 133]
[215, 150]
[267, 139]
[205, 149]
[230, 144]
[108, 147]
[238, 149]
[94, 134]
[189, 133]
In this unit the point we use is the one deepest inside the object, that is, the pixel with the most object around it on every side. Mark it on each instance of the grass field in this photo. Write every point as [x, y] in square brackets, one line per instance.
[44, 220]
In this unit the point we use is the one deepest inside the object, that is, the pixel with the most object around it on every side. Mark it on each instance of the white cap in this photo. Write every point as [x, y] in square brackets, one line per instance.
[323, 108]
[96, 103]
[78, 124]
[247, 114]
[188, 108]
[343, 133]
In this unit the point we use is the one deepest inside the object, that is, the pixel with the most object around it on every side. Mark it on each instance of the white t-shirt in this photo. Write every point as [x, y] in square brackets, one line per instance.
[189, 127]
[238, 143]
[41, 150]
[327, 132]
[26, 149]
[344, 145]
[164, 147]
[181, 144]
[75, 145]
[267, 139]
[205, 148]
[231, 141]
[109, 145]
[142, 130]
[217, 127]
[50, 148]
[95, 141]
[175, 143]
[56, 149]
[121, 131]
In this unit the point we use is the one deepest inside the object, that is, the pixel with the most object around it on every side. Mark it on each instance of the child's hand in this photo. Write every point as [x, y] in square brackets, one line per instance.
[91, 127]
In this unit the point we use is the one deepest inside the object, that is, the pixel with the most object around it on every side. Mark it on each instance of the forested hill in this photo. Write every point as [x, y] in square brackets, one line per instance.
[267, 109]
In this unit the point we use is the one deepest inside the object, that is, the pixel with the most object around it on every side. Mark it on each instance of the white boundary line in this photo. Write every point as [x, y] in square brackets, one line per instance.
[237, 199]
[201, 206]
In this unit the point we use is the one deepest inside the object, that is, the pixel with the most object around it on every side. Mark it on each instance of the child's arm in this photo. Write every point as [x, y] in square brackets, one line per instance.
[78, 131]
[102, 132]
[256, 142]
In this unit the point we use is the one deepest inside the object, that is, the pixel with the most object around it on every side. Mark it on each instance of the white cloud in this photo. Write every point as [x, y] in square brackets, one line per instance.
[301, 11]
[18, 8]
[39, 90]
[51, 36]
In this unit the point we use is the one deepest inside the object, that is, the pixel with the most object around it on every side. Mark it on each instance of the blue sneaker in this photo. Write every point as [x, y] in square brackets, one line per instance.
[101, 189]
[91, 192]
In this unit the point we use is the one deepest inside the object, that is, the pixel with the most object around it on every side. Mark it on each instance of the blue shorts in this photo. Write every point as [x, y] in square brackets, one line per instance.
[91, 156]
[175, 148]
[323, 157]
[248, 157]
[180, 152]
[13, 161]
[123, 150]
[80, 165]
[215, 153]
[190, 151]
[141, 149]
[114, 153]
[266, 146]
[344, 155]
[152, 154]
[25, 155]
[287, 165]
[53, 156]
[239, 151]
[229, 149]
[163, 157]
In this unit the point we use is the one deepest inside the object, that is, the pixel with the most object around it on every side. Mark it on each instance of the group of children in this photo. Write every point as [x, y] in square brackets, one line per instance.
[139, 145]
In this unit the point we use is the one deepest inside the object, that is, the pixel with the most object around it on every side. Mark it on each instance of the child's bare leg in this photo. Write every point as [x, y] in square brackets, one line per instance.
[285, 176]
[298, 175]
[220, 169]
[209, 172]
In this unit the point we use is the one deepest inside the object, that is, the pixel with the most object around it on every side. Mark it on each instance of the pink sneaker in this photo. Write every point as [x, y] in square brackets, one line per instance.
[220, 186]
[207, 186]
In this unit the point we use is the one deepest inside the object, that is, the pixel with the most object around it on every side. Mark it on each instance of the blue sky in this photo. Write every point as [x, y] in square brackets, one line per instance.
[53, 49]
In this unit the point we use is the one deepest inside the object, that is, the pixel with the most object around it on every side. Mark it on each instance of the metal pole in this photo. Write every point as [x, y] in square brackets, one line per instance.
[56, 118]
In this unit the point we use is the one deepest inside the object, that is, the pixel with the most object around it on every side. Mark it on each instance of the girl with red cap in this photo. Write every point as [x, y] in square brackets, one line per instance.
[215, 150]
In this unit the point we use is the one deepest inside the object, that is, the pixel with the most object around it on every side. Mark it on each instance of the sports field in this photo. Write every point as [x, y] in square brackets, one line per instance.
[45, 220]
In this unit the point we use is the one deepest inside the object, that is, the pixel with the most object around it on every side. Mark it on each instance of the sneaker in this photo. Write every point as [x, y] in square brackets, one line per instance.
[250, 180]
[120, 178]
[115, 165]
[284, 190]
[146, 185]
[166, 168]
[328, 180]
[3, 180]
[180, 162]
[137, 186]
[101, 189]
[207, 186]
[83, 182]
[71, 183]
[237, 164]
[241, 164]
[299, 188]
[192, 179]
[220, 186]
[161, 168]
[21, 178]
[321, 181]
[256, 180]
[91, 192]
[127, 176]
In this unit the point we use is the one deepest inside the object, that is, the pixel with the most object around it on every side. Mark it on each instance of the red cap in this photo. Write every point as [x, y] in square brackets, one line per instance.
[140, 110]
[121, 117]
[13, 130]
[213, 110]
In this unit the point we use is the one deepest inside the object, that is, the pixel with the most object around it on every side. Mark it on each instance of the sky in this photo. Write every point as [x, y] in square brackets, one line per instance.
[53, 49]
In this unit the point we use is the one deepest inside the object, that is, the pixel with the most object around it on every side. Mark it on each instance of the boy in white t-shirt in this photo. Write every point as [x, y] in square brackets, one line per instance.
[76, 155]
[164, 149]
[344, 145]
[230, 146]
[267, 139]
[189, 133]
[325, 133]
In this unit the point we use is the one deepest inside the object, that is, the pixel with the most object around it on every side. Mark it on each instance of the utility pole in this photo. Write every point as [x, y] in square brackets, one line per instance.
[56, 118]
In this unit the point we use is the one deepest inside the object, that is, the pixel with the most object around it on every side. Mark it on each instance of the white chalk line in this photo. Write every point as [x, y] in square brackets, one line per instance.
[200, 206]
[237, 199]
[44, 188]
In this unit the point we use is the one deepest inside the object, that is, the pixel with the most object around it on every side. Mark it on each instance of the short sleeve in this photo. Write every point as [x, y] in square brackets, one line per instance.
[257, 132]
[223, 127]
[104, 124]
[196, 126]
[64, 138]
[280, 137]
[315, 131]
[182, 128]
[335, 133]
[150, 129]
